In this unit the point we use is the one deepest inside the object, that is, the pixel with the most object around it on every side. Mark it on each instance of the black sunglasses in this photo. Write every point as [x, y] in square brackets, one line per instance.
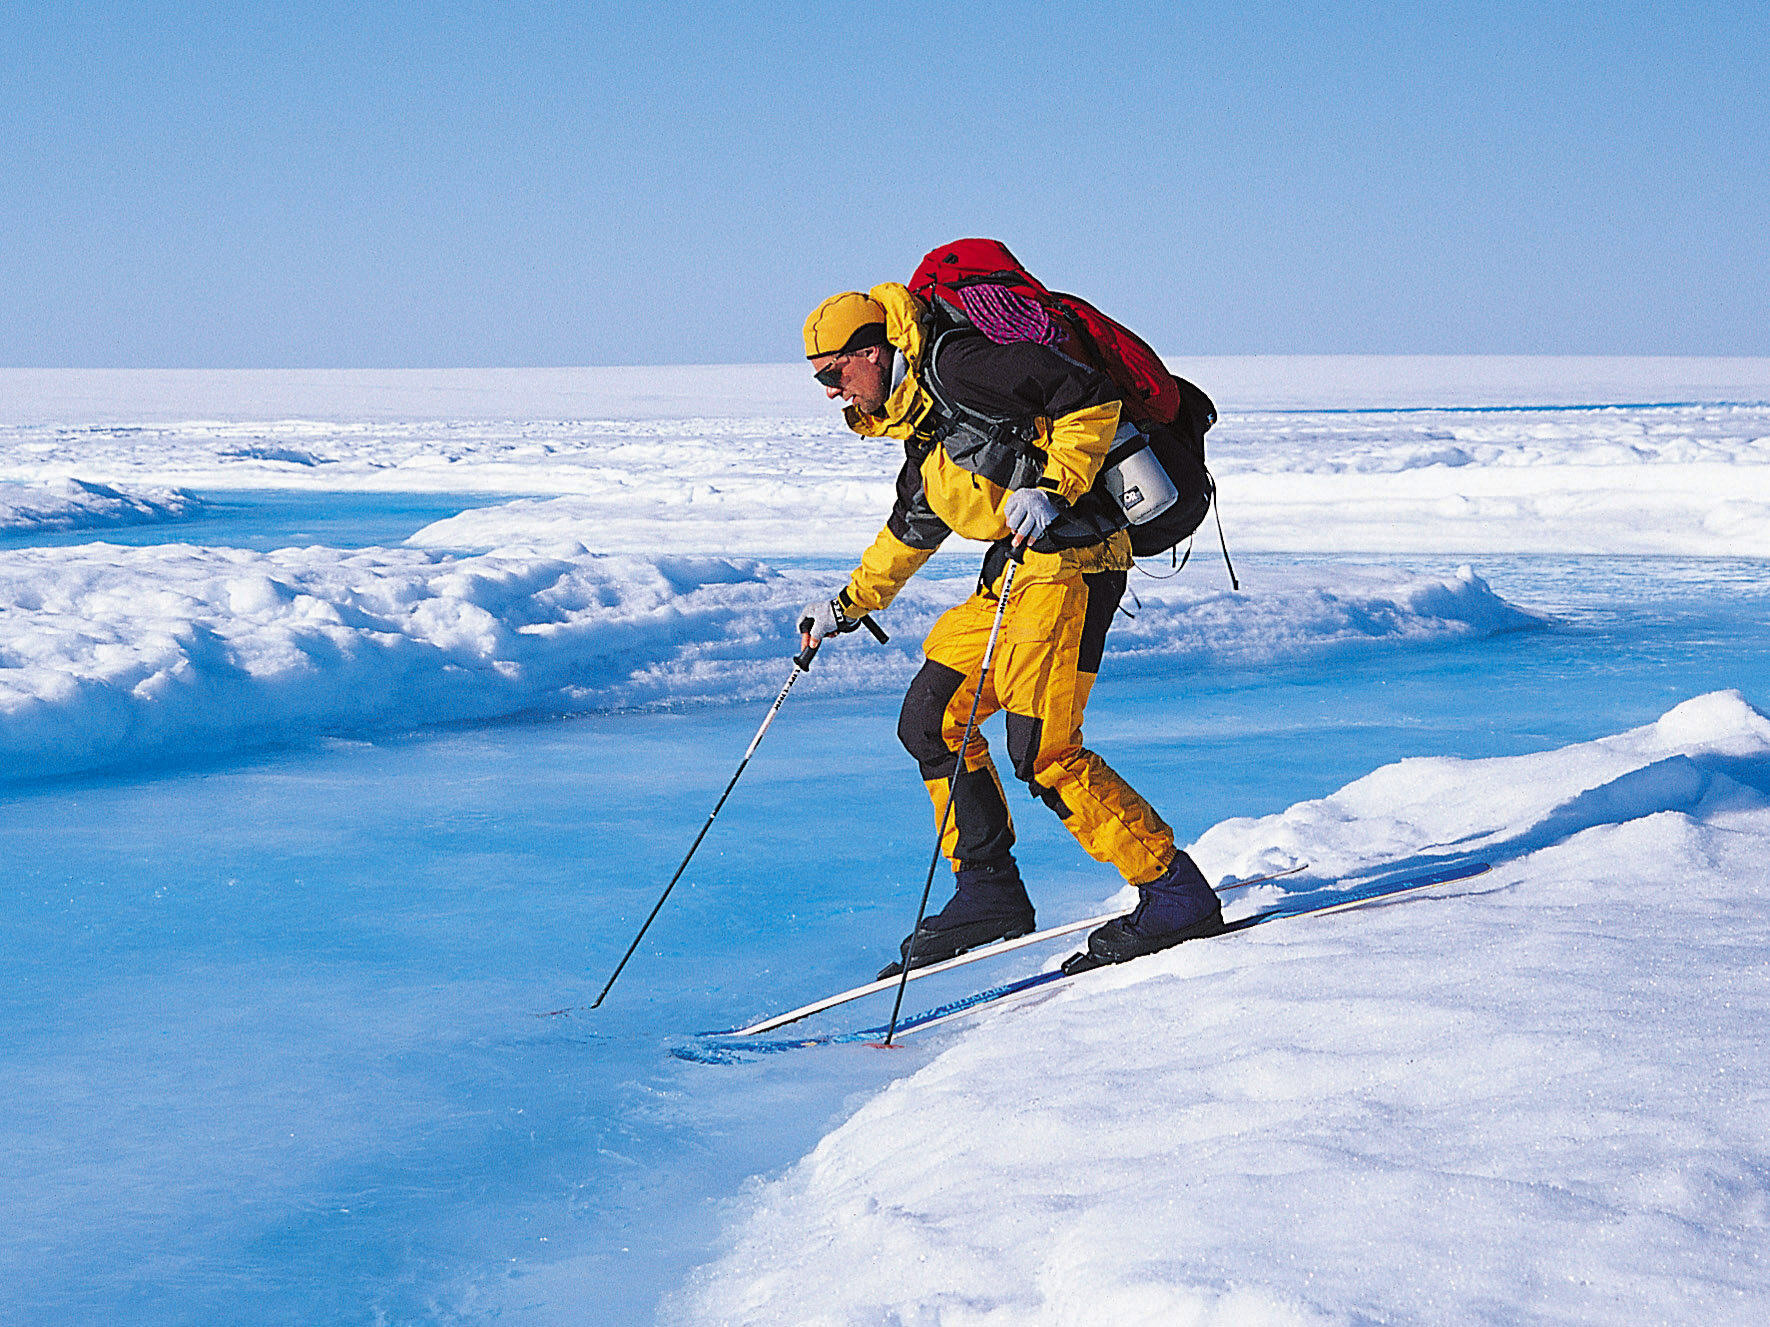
[831, 375]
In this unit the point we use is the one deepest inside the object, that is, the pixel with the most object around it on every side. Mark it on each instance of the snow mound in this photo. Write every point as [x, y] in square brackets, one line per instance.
[832, 513]
[1280, 616]
[109, 653]
[1415, 810]
[1534, 1096]
[74, 504]
[112, 655]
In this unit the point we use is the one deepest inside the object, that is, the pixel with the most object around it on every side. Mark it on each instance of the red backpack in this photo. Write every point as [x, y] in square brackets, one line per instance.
[979, 283]
[1079, 330]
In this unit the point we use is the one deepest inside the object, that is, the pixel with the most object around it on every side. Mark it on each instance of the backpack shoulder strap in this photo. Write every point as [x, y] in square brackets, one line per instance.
[1001, 448]
[943, 397]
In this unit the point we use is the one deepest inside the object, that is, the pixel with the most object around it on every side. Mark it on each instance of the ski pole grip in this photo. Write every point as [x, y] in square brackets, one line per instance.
[877, 630]
[803, 660]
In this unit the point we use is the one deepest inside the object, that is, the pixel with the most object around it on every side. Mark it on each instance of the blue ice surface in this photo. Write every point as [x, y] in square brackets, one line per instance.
[300, 1037]
[263, 519]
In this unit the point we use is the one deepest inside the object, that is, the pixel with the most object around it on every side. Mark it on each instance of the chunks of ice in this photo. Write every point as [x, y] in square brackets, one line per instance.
[113, 655]
[75, 504]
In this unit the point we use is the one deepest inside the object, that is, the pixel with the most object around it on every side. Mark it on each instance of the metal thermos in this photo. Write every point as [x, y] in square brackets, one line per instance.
[1140, 485]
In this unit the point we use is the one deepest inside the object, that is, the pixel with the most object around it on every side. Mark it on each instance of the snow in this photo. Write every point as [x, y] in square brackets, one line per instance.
[71, 504]
[1325, 453]
[82, 398]
[1642, 479]
[1538, 1097]
[111, 656]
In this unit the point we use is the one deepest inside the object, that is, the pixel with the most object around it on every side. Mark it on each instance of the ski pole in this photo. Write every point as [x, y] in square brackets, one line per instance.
[801, 665]
[989, 651]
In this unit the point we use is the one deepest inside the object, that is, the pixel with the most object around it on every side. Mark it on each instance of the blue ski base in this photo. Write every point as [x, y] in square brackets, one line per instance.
[715, 1048]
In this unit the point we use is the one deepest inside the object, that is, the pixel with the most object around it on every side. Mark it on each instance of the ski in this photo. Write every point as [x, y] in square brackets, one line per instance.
[722, 1048]
[970, 956]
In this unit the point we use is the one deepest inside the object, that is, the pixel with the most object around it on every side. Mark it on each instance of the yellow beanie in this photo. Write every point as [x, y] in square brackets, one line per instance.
[844, 323]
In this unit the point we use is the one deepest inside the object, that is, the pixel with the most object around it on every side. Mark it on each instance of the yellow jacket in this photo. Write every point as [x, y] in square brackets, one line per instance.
[1075, 444]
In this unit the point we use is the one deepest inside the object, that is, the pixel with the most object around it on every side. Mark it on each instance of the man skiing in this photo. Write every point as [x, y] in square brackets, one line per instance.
[876, 352]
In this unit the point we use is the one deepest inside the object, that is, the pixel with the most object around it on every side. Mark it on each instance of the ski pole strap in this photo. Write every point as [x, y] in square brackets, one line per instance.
[804, 657]
[997, 556]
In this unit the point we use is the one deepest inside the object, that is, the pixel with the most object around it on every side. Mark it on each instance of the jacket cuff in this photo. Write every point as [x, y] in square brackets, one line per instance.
[1054, 484]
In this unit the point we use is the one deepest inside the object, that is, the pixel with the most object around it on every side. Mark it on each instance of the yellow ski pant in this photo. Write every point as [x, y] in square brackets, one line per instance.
[1047, 656]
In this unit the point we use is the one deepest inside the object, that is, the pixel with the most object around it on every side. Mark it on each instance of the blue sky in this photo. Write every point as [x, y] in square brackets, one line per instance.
[454, 184]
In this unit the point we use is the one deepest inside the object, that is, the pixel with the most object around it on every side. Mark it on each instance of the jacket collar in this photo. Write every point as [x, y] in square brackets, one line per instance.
[906, 330]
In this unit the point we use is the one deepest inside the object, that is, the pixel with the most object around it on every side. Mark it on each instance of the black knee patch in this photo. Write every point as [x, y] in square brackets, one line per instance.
[1024, 735]
[922, 721]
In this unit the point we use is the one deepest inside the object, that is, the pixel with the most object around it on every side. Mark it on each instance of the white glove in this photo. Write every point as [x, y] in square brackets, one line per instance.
[824, 617]
[1029, 511]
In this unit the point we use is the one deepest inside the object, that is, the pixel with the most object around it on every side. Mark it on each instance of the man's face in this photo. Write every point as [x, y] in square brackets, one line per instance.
[866, 377]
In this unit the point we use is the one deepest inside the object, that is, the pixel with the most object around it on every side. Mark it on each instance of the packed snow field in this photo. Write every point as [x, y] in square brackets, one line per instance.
[1396, 455]
[1535, 1096]
[1539, 1097]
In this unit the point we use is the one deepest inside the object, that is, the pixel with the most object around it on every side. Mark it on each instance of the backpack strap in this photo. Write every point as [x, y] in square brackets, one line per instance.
[1002, 449]
[998, 447]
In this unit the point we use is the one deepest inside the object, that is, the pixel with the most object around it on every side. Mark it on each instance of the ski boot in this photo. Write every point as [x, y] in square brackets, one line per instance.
[1177, 905]
[989, 903]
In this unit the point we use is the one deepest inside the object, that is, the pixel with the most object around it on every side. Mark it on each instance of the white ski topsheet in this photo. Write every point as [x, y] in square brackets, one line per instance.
[1538, 1094]
[974, 956]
